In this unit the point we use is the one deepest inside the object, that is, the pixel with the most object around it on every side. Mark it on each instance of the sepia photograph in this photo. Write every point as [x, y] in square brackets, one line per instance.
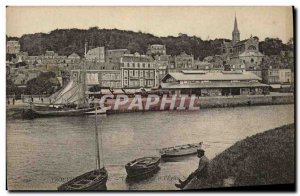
[150, 98]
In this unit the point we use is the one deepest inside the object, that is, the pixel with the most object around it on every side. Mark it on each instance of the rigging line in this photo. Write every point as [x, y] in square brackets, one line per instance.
[73, 95]
[101, 143]
[97, 142]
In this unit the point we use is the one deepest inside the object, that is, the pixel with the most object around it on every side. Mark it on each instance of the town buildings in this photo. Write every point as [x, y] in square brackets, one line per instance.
[138, 71]
[184, 61]
[103, 78]
[277, 75]
[96, 54]
[205, 83]
[117, 68]
[73, 58]
[247, 50]
[115, 55]
[13, 47]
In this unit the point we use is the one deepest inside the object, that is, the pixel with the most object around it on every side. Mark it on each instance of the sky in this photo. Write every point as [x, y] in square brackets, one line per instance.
[204, 22]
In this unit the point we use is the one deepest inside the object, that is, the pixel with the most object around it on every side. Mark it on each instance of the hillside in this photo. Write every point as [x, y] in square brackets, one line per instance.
[262, 159]
[66, 41]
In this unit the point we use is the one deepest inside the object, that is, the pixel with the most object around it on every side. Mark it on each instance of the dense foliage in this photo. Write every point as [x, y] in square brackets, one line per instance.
[95, 88]
[45, 83]
[67, 41]
[273, 46]
[11, 88]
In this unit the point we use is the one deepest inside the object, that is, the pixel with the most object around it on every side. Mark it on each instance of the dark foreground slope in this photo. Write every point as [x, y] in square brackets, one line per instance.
[262, 159]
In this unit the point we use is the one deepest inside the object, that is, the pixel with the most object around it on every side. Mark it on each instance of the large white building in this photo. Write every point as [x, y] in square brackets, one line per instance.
[138, 71]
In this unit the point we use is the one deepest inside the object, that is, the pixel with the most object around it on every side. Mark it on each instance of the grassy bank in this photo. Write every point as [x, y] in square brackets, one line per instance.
[265, 158]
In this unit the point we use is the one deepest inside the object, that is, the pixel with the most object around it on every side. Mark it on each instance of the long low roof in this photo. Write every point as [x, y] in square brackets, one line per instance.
[213, 85]
[220, 76]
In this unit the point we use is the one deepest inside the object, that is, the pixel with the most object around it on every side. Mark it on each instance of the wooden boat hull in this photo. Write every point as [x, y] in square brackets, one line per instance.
[99, 111]
[179, 151]
[91, 181]
[137, 171]
[58, 113]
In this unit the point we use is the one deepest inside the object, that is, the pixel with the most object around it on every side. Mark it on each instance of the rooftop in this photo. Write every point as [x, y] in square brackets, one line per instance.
[213, 85]
[213, 76]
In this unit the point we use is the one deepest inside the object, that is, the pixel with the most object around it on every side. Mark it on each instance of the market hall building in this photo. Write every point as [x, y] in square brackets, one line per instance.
[205, 83]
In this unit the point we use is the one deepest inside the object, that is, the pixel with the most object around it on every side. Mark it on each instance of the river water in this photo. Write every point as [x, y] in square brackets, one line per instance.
[44, 153]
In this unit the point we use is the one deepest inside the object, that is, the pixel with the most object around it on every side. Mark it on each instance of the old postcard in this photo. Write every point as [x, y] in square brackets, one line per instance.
[150, 98]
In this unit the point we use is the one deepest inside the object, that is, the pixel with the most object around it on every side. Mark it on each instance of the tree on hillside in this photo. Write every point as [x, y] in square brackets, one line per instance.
[45, 83]
[272, 46]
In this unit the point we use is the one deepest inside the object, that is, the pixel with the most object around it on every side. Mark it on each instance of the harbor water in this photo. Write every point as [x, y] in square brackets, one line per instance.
[44, 153]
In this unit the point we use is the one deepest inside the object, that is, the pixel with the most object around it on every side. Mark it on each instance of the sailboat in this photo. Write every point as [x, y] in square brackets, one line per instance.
[69, 101]
[92, 180]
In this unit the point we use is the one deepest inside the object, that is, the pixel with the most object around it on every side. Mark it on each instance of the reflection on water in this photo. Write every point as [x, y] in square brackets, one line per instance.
[44, 153]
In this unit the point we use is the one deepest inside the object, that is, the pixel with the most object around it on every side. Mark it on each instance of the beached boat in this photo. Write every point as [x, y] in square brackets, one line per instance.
[142, 166]
[182, 150]
[92, 180]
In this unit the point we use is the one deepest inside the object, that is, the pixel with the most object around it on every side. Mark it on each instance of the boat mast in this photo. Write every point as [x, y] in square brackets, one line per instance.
[97, 142]
[84, 73]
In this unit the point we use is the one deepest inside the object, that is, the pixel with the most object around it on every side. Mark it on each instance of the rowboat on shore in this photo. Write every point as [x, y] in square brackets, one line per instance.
[142, 166]
[181, 150]
[92, 180]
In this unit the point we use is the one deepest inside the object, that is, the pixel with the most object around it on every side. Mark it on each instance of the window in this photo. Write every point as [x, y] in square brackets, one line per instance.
[252, 60]
[151, 73]
[251, 47]
[141, 73]
[136, 73]
[125, 73]
[112, 76]
[130, 73]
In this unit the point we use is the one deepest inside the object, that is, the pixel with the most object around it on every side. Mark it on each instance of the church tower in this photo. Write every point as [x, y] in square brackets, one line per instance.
[235, 33]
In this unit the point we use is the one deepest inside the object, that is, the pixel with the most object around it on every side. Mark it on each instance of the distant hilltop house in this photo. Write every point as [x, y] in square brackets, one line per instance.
[247, 50]
[13, 47]
[156, 49]
[73, 58]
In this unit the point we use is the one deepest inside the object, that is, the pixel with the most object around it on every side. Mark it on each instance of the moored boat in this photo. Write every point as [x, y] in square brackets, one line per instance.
[98, 111]
[142, 166]
[181, 150]
[92, 180]
[59, 112]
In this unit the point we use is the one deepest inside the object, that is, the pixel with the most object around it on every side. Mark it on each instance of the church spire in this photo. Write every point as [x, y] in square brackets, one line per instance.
[235, 32]
[235, 24]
